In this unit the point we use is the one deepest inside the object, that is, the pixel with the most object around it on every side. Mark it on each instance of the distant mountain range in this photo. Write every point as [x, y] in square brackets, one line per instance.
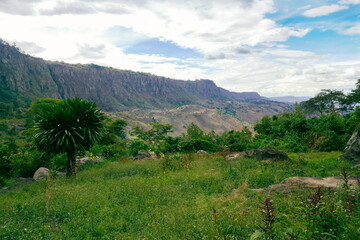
[290, 99]
[24, 78]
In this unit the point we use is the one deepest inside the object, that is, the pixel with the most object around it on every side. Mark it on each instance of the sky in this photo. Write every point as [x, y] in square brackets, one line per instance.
[273, 47]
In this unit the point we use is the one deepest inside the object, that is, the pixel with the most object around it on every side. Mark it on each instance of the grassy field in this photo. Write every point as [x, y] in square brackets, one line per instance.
[188, 198]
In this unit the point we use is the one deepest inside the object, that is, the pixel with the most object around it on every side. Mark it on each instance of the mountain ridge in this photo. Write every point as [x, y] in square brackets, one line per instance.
[24, 78]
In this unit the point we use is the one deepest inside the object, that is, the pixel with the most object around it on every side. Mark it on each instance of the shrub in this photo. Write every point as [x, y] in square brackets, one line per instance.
[136, 146]
[6, 169]
[323, 217]
[3, 127]
[176, 162]
[2, 182]
[170, 145]
[25, 164]
[58, 162]
[194, 145]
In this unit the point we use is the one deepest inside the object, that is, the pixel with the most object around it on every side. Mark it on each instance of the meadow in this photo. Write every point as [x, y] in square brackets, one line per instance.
[184, 196]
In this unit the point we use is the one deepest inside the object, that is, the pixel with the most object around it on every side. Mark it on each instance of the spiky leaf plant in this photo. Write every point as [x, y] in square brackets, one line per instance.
[68, 127]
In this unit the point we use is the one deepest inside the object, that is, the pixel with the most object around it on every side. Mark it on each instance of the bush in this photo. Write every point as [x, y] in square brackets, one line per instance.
[194, 145]
[58, 162]
[3, 127]
[2, 182]
[6, 169]
[136, 146]
[25, 165]
[170, 145]
[110, 151]
[324, 218]
[176, 162]
[12, 131]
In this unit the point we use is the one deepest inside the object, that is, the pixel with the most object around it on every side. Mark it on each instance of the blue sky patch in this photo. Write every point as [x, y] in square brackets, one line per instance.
[326, 42]
[163, 48]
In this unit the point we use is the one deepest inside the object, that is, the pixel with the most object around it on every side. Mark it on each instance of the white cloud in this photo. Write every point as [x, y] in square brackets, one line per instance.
[349, 2]
[304, 7]
[29, 47]
[207, 26]
[243, 48]
[324, 10]
[353, 30]
[289, 72]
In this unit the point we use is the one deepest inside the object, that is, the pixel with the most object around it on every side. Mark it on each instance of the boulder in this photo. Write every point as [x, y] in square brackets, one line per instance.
[202, 152]
[142, 155]
[235, 155]
[268, 153]
[295, 183]
[352, 149]
[41, 173]
[87, 160]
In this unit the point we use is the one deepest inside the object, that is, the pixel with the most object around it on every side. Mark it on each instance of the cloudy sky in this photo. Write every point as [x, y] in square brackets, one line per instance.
[274, 47]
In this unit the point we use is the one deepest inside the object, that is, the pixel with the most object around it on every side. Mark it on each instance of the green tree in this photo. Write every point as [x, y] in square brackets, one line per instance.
[38, 104]
[114, 131]
[353, 97]
[238, 140]
[154, 135]
[118, 128]
[194, 131]
[36, 107]
[327, 100]
[69, 127]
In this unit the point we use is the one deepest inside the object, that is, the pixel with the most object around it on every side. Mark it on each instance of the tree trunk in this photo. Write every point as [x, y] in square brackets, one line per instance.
[71, 165]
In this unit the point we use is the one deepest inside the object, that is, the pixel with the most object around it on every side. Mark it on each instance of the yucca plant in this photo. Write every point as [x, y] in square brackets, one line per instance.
[68, 127]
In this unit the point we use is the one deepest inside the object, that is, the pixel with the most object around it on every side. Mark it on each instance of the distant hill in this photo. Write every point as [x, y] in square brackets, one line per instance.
[24, 78]
[289, 99]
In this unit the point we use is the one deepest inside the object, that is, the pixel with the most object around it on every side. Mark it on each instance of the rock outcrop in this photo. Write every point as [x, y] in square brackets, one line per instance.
[268, 153]
[297, 183]
[202, 152]
[41, 173]
[232, 156]
[87, 160]
[352, 149]
[142, 155]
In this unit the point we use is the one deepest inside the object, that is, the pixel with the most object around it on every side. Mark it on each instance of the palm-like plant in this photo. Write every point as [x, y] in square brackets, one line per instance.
[68, 127]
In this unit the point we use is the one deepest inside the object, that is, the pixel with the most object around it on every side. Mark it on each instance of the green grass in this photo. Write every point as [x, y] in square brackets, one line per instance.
[138, 200]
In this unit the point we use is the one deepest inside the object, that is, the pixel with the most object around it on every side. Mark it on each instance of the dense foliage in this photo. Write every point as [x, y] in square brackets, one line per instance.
[323, 123]
[293, 131]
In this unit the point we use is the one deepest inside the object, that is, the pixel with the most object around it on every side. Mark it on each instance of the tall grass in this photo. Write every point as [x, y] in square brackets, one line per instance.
[139, 200]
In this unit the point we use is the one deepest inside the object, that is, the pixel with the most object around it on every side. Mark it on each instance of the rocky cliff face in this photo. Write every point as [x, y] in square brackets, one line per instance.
[28, 78]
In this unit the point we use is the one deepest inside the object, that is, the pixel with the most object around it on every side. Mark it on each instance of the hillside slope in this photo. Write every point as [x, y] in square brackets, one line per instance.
[24, 78]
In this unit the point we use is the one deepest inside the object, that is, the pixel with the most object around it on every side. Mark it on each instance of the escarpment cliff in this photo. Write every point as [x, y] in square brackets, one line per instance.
[24, 78]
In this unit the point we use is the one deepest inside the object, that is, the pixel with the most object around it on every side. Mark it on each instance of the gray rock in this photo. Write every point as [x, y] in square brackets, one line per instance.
[269, 154]
[87, 160]
[296, 183]
[235, 155]
[202, 152]
[352, 149]
[41, 173]
[142, 155]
